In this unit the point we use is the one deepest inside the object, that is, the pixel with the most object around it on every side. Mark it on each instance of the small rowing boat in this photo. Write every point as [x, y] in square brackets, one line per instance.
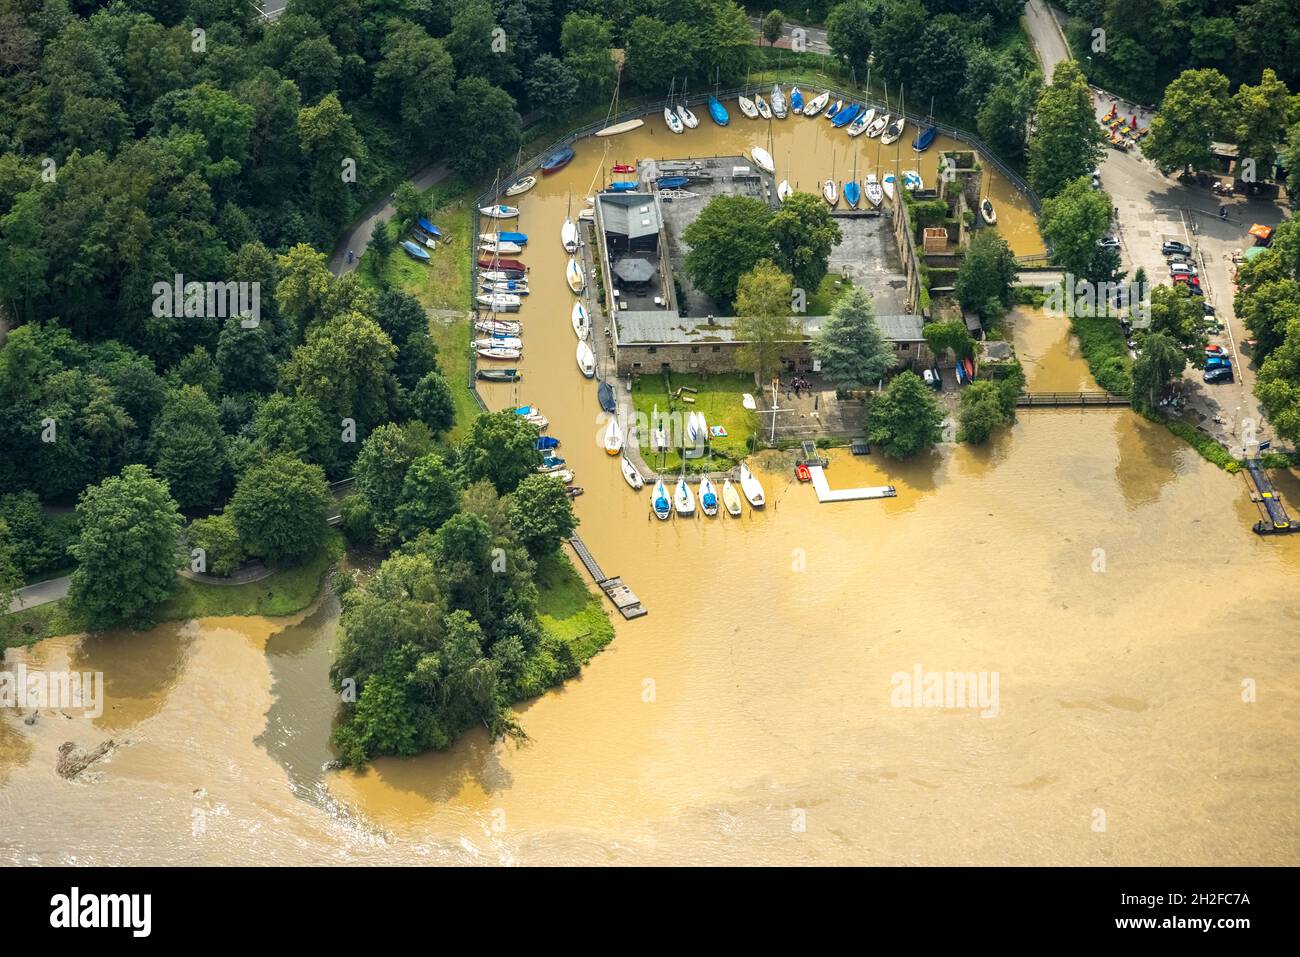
[586, 359]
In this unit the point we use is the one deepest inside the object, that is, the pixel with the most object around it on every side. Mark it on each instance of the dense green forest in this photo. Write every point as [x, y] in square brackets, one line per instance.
[1146, 43]
[969, 58]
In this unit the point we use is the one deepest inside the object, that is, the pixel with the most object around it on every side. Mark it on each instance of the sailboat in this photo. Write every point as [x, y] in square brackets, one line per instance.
[631, 475]
[627, 125]
[581, 321]
[833, 109]
[708, 497]
[796, 100]
[716, 109]
[671, 118]
[504, 342]
[569, 232]
[875, 195]
[852, 191]
[498, 327]
[784, 191]
[862, 121]
[830, 189]
[895, 129]
[521, 185]
[762, 159]
[684, 498]
[613, 437]
[752, 488]
[730, 498]
[746, 104]
[887, 184]
[817, 104]
[684, 113]
[659, 502]
[586, 359]
[499, 212]
[760, 104]
[927, 135]
[574, 276]
[778, 102]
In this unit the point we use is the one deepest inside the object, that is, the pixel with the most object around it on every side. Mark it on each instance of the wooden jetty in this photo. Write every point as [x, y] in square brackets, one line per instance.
[623, 597]
[1061, 400]
[1273, 517]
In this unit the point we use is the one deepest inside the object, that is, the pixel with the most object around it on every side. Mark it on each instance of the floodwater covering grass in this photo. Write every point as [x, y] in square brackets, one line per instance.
[718, 397]
[287, 591]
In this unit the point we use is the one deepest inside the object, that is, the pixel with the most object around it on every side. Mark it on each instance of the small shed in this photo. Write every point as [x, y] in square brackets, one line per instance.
[935, 240]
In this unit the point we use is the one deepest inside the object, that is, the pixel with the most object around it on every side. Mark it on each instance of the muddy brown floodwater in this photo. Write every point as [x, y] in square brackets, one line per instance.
[1102, 570]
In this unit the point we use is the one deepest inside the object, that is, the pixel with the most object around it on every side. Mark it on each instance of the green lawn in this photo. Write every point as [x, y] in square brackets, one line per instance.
[569, 610]
[452, 337]
[832, 287]
[442, 282]
[285, 592]
[719, 398]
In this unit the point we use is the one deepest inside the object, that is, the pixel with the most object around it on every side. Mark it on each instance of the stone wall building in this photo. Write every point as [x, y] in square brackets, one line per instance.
[654, 342]
[649, 332]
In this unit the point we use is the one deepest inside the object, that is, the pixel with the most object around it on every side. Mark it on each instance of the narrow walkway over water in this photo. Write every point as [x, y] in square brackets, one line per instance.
[1274, 519]
[623, 597]
[827, 494]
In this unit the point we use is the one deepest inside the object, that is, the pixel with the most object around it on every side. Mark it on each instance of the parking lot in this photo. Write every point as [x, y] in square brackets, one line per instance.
[1153, 209]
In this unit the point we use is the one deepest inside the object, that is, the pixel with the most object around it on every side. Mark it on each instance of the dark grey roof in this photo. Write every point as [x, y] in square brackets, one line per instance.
[635, 269]
[629, 214]
[664, 327]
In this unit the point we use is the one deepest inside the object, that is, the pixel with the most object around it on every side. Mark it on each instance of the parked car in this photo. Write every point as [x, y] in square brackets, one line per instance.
[1176, 248]
[1177, 258]
[1186, 279]
[1209, 310]
[1214, 362]
[1182, 269]
[1108, 242]
[1218, 374]
[1215, 349]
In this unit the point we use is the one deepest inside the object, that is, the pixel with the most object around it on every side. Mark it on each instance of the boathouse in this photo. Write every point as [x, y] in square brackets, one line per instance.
[657, 341]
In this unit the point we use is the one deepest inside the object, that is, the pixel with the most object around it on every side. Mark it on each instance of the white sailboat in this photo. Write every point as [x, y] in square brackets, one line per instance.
[752, 488]
[659, 502]
[685, 114]
[673, 121]
[760, 104]
[574, 276]
[784, 191]
[500, 212]
[502, 342]
[817, 104]
[875, 195]
[730, 498]
[631, 475]
[684, 498]
[762, 159]
[863, 120]
[613, 437]
[586, 359]
[581, 321]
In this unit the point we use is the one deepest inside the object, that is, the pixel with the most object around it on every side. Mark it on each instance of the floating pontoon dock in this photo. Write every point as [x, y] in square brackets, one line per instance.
[827, 494]
[623, 598]
[1273, 517]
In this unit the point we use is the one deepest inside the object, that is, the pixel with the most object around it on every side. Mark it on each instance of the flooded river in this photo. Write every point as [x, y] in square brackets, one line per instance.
[1096, 568]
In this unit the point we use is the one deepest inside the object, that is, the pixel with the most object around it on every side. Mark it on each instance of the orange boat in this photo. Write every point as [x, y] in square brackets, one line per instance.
[801, 473]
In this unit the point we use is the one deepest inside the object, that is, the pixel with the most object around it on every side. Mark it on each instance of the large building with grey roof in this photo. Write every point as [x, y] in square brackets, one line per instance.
[648, 330]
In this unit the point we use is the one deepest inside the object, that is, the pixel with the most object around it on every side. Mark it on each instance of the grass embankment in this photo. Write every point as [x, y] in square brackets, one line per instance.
[718, 397]
[569, 610]
[287, 591]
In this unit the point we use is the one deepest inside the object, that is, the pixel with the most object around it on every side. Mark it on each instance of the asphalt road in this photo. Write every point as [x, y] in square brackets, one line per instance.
[1049, 41]
[814, 37]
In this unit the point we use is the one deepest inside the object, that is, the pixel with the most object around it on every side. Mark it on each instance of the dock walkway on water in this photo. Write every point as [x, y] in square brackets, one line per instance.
[1273, 516]
[624, 598]
[827, 494]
